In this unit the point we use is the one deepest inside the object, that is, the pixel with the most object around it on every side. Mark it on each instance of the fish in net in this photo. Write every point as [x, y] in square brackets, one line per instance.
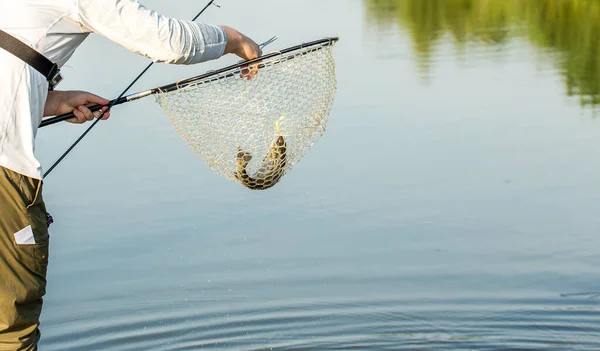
[253, 131]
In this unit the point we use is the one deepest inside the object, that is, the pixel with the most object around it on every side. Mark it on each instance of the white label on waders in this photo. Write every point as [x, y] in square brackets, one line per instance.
[25, 236]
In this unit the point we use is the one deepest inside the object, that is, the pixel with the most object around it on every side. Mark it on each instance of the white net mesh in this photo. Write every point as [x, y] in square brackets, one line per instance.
[254, 131]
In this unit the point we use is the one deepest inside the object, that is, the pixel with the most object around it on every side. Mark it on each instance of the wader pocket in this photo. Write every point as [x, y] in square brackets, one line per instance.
[35, 257]
[35, 208]
[40, 254]
[37, 218]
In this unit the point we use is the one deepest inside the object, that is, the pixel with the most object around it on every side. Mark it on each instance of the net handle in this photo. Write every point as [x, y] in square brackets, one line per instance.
[185, 82]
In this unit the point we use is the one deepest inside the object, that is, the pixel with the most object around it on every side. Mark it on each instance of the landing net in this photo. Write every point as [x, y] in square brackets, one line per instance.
[254, 131]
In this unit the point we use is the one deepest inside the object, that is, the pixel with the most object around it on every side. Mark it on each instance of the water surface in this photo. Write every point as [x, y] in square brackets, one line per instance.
[452, 203]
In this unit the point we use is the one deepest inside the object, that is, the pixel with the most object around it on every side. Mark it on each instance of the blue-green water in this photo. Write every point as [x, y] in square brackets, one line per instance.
[447, 207]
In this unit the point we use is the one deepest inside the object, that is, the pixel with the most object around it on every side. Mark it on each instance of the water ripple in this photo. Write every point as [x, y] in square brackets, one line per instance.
[386, 324]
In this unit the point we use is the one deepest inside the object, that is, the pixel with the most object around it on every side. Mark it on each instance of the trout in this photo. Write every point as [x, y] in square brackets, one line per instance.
[269, 172]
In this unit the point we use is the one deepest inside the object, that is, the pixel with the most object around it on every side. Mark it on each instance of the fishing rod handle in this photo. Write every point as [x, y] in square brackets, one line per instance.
[93, 108]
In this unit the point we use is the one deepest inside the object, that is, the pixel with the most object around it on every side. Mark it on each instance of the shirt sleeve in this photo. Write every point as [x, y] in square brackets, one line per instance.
[148, 33]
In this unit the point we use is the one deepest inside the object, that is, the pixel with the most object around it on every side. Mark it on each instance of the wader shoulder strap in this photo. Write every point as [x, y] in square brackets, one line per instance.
[33, 58]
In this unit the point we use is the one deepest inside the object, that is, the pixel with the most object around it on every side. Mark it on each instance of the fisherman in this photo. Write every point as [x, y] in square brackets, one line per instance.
[55, 28]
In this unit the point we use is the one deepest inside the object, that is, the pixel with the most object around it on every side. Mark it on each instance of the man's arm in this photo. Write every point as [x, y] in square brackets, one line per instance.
[161, 38]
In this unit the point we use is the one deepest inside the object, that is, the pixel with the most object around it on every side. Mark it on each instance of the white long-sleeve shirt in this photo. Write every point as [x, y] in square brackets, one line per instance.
[55, 28]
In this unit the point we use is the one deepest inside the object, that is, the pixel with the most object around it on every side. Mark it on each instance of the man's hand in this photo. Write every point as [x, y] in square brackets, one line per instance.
[244, 47]
[61, 102]
[240, 45]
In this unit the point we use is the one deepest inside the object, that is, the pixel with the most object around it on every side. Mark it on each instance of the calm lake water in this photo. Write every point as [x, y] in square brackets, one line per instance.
[452, 203]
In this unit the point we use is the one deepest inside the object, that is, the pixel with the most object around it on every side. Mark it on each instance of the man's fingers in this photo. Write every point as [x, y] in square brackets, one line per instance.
[95, 99]
[79, 117]
[97, 113]
[87, 114]
[248, 72]
[102, 112]
[80, 103]
[106, 113]
[83, 114]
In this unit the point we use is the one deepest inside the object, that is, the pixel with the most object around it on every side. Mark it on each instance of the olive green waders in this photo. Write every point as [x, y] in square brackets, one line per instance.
[23, 260]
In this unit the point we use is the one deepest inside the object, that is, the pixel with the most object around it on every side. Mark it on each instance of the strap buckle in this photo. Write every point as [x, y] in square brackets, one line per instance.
[54, 77]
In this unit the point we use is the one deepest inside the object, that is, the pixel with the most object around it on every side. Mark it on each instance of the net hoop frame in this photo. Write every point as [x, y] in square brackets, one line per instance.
[237, 68]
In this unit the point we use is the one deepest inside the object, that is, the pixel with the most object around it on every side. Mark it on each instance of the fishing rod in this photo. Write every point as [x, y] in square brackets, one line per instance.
[113, 102]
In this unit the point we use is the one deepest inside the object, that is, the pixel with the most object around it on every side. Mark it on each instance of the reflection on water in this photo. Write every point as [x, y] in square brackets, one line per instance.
[565, 32]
